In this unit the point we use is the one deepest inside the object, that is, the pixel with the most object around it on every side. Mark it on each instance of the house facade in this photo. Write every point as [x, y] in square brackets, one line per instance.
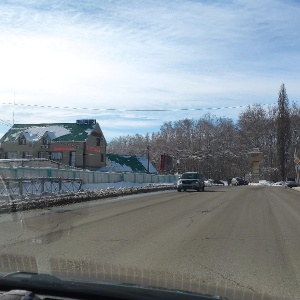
[80, 144]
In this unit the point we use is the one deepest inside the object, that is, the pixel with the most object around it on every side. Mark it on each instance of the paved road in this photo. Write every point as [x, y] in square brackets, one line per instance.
[243, 237]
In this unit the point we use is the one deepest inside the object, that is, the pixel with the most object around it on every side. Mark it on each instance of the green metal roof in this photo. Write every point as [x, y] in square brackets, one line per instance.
[60, 132]
[130, 163]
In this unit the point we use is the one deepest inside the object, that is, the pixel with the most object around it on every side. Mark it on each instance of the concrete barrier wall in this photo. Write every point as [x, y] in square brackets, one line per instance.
[86, 176]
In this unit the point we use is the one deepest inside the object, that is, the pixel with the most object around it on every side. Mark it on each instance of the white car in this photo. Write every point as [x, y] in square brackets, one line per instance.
[208, 182]
[234, 181]
[279, 183]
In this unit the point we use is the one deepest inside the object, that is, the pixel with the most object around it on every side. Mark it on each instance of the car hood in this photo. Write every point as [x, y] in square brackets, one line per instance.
[89, 285]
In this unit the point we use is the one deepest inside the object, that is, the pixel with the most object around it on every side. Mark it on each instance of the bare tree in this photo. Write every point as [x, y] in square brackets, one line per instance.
[218, 147]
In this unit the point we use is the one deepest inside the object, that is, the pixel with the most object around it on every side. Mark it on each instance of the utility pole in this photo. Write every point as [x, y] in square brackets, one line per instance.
[177, 162]
[84, 155]
[148, 157]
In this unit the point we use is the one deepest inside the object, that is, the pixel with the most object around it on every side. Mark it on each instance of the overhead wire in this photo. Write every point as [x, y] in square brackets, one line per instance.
[131, 110]
[7, 123]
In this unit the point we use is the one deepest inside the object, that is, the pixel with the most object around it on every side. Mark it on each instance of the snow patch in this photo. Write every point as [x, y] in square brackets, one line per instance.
[35, 133]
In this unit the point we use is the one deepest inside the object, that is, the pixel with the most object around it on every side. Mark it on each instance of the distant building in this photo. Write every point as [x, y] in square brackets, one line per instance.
[80, 144]
[127, 163]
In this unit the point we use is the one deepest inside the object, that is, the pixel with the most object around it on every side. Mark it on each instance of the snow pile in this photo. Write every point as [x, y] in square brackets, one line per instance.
[117, 185]
[119, 167]
[262, 182]
[88, 192]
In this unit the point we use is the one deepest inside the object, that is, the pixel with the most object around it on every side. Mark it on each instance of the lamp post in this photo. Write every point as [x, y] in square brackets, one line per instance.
[148, 158]
[296, 158]
[177, 161]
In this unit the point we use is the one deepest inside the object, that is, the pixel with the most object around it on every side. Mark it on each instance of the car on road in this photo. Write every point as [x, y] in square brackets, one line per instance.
[191, 181]
[239, 181]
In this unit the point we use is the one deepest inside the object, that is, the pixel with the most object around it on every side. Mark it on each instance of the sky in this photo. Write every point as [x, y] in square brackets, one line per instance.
[133, 65]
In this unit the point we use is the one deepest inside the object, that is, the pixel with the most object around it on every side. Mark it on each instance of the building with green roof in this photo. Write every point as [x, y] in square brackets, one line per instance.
[80, 144]
[128, 163]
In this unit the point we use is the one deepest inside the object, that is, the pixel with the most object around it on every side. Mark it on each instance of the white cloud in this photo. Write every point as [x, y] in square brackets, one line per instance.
[145, 55]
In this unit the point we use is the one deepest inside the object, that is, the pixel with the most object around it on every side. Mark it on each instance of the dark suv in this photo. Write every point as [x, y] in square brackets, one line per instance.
[192, 181]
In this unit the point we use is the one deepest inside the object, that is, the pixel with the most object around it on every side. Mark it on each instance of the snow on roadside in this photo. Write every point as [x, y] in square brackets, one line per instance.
[87, 192]
[118, 185]
[33, 194]
[263, 183]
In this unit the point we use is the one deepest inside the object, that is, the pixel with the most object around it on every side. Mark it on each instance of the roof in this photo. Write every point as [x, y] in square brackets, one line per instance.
[129, 163]
[57, 132]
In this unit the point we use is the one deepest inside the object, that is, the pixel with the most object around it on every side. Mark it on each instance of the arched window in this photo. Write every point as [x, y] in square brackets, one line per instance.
[46, 140]
[22, 140]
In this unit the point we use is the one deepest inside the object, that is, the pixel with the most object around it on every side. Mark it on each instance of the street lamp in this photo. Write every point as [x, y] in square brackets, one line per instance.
[177, 162]
[148, 157]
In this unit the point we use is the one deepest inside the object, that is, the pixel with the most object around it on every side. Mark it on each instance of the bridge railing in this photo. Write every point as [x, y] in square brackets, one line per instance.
[84, 175]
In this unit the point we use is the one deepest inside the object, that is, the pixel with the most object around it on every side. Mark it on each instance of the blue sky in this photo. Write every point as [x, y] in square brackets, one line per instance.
[67, 60]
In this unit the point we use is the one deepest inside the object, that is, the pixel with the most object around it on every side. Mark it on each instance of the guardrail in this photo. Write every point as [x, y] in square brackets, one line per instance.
[84, 175]
[37, 187]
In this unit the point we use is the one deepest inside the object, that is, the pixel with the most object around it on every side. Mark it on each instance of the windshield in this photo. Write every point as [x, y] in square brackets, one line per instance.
[108, 106]
[190, 176]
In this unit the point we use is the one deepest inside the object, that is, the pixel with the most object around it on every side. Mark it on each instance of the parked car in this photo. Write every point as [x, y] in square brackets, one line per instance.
[242, 181]
[208, 182]
[291, 182]
[279, 183]
[234, 181]
[192, 181]
[218, 182]
[239, 181]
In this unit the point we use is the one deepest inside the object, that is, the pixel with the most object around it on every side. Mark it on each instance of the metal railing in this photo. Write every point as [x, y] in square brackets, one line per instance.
[33, 188]
[84, 175]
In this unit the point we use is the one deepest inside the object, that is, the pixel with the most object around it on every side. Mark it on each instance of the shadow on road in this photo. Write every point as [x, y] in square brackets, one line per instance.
[205, 191]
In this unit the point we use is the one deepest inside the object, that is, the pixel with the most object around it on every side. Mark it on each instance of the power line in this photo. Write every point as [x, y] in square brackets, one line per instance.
[5, 122]
[131, 110]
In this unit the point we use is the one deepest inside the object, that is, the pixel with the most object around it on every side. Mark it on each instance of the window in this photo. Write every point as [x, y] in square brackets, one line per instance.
[102, 157]
[22, 140]
[46, 140]
[11, 154]
[72, 158]
[43, 155]
[190, 176]
[25, 154]
[56, 155]
[98, 142]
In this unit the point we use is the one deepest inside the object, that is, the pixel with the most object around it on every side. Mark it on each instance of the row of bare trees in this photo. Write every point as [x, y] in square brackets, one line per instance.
[219, 147]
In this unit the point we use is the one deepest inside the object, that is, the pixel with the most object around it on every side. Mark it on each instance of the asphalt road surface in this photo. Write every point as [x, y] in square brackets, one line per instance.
[243, 237]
